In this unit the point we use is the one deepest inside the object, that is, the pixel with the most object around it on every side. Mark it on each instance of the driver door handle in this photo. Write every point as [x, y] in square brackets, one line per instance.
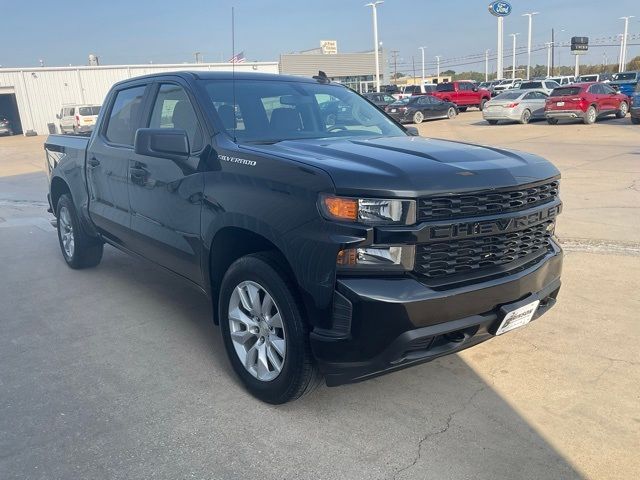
[93, 162]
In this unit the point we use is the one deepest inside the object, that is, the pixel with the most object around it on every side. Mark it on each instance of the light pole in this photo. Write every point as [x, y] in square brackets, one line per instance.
[422, 49]
[621, 52]
[486, 65]
[530, 15]
[438, 68]
[549, 45]
[623, 62]
[513, 65]
[374, 8]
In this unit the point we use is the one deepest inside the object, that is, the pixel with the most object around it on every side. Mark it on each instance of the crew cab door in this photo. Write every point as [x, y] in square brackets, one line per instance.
[166, 194]
[107, 164]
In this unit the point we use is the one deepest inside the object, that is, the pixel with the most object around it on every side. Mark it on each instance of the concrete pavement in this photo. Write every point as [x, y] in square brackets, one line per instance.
[118, 372]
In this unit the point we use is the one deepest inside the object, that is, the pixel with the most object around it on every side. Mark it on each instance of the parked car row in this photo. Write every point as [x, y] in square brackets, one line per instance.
[587, 101]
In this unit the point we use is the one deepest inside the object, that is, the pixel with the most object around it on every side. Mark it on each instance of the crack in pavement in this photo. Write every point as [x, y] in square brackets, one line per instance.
[609, 247]
[442, 430]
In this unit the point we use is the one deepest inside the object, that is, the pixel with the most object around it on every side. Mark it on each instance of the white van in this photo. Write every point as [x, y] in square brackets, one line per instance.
[77, 118]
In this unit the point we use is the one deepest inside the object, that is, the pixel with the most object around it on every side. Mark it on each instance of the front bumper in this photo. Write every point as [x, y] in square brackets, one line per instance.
[395, 323]
[560, 114]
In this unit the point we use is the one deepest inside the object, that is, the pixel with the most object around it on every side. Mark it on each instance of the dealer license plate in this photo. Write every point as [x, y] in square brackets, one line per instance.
[560, 104]
[518, 318]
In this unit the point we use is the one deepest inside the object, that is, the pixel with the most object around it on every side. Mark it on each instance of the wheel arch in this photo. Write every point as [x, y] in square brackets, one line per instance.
[58, 188]
[229, 244]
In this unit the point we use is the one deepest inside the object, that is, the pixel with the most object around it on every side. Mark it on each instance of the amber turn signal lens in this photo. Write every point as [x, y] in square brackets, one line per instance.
[341, 208]
[347, 257]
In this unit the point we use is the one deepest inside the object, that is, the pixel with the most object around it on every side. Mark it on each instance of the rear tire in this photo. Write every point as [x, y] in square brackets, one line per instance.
[552, 121]
[451, 113]
[78, 249]
[492, 122]
[525, 117]
[590, 116]
[623, 110]
[259, 337]
[418, 117]
[462, 109]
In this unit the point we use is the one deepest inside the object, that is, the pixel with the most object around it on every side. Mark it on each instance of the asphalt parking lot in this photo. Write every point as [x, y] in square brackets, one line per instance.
[118, 372]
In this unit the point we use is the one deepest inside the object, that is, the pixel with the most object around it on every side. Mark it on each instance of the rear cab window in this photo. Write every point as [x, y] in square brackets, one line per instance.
[444, 87]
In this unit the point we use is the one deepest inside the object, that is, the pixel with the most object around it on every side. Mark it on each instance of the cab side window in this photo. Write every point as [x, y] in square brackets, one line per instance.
[173, 109]
[124, 116]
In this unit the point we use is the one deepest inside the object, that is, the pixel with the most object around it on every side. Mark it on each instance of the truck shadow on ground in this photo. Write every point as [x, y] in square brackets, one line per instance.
[120, 369]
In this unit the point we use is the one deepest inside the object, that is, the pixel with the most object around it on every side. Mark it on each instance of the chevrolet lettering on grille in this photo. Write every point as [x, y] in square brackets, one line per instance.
[491, 227]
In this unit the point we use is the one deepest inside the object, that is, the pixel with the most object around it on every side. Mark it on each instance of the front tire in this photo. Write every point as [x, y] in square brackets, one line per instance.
[635, 120]
[552, 121]
[482, 102]
[418, 117]
[492, 122]
[265, 334]
[78, 249]
[623, 110]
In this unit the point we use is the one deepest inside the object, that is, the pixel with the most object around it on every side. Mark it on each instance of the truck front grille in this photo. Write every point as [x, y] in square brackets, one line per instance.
[491, 202]
[489, 254]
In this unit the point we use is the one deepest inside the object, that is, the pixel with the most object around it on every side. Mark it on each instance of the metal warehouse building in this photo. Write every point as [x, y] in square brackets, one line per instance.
[31, 97]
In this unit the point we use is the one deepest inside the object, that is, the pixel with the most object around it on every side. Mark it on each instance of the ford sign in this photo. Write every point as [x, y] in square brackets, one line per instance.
[500, 9]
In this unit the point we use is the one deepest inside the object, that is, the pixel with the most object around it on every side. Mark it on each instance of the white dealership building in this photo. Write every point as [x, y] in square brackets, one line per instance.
[31, 97]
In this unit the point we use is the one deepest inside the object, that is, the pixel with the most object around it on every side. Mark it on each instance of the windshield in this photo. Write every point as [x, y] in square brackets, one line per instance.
[528, 85]
[87, 111]
[402, 101]
[564, 91]
[268, 111]
[508, 96]
[624, 76]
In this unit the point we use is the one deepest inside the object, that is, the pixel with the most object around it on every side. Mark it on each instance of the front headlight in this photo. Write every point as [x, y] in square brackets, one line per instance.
[370, 211]
[378, 258]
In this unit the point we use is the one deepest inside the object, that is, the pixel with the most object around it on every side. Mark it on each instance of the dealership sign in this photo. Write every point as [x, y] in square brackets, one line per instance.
[500, 9]
[329, 47]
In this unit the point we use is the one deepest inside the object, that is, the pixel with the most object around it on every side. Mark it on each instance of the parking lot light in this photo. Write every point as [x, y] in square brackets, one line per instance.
[376, 46]
[422, 49]
[623, 53]
[530, 15]
[513, 65]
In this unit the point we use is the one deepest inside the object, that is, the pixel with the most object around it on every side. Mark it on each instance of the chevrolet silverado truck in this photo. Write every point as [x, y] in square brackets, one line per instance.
[463, 93]
[335, 251]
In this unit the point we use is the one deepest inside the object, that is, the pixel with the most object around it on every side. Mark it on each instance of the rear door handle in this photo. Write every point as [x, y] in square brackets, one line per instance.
[93, 161]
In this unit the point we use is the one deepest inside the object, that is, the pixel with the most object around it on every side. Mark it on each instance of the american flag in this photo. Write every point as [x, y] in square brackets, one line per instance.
[238, 58]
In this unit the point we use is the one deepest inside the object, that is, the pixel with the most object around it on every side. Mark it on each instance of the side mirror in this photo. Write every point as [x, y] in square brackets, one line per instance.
[58, 116]
[170, 143]
[475, 89]
[412, 131]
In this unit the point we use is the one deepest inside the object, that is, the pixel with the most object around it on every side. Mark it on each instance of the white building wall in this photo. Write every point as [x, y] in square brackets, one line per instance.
[40, 92]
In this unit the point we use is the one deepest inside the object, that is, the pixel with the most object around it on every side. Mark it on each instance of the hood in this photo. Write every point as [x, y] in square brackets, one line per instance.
[412, 166]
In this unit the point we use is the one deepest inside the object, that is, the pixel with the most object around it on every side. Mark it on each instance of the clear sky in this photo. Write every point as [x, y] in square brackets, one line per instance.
[140, 31]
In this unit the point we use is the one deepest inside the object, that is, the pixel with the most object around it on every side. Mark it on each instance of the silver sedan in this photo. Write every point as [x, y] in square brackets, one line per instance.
[515, 106]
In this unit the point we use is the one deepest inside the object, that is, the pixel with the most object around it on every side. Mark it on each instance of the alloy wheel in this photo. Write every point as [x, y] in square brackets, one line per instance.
[257, 330]
[66, 232]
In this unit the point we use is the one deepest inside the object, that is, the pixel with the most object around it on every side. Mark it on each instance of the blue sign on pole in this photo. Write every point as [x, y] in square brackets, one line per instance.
[500, 8]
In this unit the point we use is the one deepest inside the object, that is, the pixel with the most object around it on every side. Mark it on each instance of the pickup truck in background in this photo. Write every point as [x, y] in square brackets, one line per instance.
[347, 251]
[625, 82]
[463, 93]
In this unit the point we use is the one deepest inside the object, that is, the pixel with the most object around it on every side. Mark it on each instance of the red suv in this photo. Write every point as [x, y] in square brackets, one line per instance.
[463, 93]
[587, 101]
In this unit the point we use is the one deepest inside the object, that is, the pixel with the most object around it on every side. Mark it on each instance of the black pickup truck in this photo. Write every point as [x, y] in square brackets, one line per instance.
[344, 249]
